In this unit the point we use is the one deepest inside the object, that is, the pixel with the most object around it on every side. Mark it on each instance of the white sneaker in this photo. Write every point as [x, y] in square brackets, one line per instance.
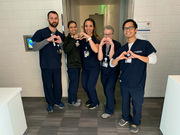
[76, 104]
[79, 100]
[105, 115]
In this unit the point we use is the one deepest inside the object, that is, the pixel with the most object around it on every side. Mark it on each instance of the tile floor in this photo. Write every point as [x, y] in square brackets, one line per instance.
[82, 121]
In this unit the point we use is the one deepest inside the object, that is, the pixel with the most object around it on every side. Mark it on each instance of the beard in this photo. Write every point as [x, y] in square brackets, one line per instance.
[53, 24]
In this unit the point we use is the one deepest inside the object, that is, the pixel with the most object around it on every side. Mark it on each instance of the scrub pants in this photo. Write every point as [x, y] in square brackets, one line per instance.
[89, 81]
[136, 95]
[109, 83]
[52, 85]
[73, 74]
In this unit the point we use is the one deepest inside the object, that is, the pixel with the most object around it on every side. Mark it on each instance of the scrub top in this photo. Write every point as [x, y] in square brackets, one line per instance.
[105, 67]
[90, 59]
[49, 58]
[134, 73]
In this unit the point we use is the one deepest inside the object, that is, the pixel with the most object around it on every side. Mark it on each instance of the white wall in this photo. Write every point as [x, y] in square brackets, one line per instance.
[165, 37]
[18, 67]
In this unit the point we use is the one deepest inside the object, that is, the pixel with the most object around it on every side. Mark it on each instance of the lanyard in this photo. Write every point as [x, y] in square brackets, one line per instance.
[107, 51]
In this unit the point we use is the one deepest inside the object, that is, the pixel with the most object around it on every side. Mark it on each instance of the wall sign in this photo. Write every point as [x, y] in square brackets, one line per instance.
[144, 25]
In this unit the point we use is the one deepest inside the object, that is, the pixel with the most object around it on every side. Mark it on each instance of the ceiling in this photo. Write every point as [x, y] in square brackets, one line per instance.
[97, 2]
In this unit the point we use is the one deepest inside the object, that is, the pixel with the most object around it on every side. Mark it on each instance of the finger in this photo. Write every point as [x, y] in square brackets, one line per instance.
[58, 37]
[84, 34]
[103, 39]
[109, 39]
[103, 43]
[82, 38]
[129, 51]
[124, 53]
[131, 57]
[54, 36]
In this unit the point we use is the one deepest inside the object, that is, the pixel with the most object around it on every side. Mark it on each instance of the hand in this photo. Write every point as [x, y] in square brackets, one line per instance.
[79, 36]
[132, 55]
[51, 38]
[103, 41]
[109, 41]
[84, 35]
[122, 56]
[59, 40]
[76, 36]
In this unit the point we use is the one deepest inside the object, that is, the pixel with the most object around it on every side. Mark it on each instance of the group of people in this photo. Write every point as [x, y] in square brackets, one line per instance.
[87, 51]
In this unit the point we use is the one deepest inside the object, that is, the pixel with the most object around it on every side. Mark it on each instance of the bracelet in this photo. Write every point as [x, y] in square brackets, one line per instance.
[89, 38]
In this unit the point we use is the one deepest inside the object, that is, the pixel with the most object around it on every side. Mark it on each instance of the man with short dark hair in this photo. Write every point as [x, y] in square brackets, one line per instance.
[133, 57]
[49, 41]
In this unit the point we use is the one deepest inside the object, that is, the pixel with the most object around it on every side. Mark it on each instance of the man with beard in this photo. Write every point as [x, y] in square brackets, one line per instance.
[49, 41]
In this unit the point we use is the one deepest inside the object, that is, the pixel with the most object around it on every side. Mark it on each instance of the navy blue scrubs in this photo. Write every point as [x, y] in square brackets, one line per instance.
[109, 77]
[132, 80]
[90, 71]
[73, 74]
[50, 63]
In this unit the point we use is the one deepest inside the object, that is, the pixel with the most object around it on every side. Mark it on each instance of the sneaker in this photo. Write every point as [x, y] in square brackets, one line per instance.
[49, 108]
[76, 104]
[91, 107]
[61, 105]
[133, 128]
[122, 122]
[105, 115]
[79, 100]
[87, 103]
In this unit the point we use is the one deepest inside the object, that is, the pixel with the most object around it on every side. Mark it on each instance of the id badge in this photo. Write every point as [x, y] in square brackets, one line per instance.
[59, 51]
[86, 54]
[105, 64]
[128, 61]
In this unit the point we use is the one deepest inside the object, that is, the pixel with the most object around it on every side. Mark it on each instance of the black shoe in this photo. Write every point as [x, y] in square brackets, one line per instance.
[91, 107]
[87, 103]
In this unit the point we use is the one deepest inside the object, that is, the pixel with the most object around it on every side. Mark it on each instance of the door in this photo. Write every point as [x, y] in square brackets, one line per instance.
[99, 20]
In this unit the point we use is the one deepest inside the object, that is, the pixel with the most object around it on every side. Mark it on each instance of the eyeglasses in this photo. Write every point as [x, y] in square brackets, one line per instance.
[108, 34]
[128, 28]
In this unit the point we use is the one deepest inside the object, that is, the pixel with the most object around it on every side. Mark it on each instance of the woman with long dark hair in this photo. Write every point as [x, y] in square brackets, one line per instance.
[91, 65]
